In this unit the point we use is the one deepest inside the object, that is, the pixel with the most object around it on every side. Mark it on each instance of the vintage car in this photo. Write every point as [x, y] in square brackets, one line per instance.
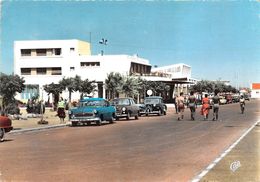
[5, 126]
[222, 100]
[91, 110]
[125, 108]
[153, 105]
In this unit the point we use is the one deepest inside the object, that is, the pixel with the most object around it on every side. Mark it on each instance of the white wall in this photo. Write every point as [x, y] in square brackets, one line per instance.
[255, 94]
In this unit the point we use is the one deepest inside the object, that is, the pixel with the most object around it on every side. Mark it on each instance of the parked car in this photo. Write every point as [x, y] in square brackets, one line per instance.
[5, 126]
[91, 110]
[235, 98]
[125, 108]
[153, 105]
[228, 97]
[222, 100]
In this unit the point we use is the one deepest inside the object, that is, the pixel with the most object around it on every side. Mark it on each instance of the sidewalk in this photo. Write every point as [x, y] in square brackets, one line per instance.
[30, 124]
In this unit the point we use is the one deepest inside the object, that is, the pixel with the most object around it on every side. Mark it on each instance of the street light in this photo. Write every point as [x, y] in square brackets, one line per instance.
[103, 42]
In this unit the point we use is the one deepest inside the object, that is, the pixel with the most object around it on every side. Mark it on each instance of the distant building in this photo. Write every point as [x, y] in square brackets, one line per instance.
[180, 75]
[255, 90]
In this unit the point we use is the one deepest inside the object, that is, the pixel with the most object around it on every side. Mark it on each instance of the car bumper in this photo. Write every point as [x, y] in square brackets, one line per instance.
[84, 119]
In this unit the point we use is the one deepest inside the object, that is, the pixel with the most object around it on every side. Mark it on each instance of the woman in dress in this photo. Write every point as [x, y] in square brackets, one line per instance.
[205, 107]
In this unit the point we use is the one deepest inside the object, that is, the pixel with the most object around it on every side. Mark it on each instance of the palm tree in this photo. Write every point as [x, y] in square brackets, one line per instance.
[54, 89]
[113, 84]
[130, 86]
[86, 87]
[70, 84]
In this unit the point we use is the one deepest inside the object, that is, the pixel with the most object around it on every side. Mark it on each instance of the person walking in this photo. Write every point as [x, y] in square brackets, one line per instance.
[215, 102]
[180, 106]
[192, 105]
[242, 103]
[205, 107]
[175, 103]
[61, 110]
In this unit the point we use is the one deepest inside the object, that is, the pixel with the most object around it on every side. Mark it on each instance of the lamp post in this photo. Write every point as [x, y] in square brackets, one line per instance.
[103, 42]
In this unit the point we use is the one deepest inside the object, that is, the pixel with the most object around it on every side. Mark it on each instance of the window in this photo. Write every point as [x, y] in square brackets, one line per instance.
[25, 71]
[41, 52]
[89, 64]
[56, 71]
[72, 68]
[57, 51]
[72, 49]
[41, 71]
[26, 52]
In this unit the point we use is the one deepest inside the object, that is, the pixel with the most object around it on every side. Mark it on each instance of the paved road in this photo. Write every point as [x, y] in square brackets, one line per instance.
[149, 149]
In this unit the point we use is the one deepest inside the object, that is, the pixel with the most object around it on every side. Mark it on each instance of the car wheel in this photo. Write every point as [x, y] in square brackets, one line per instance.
[128, 116]
[112, 119]
[74, 123]
[2, 134]
[164, 110]
[160, 112]
[147, 111]
[136, 117]
[88, 123]
[99, 123]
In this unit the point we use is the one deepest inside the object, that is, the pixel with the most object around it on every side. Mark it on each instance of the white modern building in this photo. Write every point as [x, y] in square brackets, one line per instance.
[180, 74]
[45, 61]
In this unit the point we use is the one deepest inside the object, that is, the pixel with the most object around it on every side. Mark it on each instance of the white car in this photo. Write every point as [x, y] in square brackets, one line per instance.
[222, 100]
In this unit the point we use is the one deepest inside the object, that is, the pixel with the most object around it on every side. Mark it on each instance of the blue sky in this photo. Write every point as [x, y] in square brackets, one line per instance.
[218, 39]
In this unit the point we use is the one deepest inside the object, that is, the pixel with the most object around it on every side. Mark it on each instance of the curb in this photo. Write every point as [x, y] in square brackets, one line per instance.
[38, 128]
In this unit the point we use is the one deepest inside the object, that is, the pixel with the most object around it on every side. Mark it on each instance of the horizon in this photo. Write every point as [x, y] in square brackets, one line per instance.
[219, 40]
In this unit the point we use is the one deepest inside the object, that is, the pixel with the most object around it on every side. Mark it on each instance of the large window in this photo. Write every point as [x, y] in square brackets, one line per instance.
[25, 71]
[41, 52]
[56, 71]
[41, 71]
[26, 52]
[57, 51]
[89, 64]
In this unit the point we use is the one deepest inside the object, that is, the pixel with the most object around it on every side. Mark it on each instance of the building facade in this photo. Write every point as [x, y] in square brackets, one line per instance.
[255, 90]
[48, 61]
[180, 75]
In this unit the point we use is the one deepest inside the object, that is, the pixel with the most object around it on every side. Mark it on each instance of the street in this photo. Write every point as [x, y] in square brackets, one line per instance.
[153, 148]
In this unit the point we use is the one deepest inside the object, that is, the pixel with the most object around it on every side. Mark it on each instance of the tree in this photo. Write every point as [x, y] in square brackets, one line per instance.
[68, 83]
[9, 86]
[113, 84]
[130, 86]
[54, 89]
[86, 87]
[211, 86]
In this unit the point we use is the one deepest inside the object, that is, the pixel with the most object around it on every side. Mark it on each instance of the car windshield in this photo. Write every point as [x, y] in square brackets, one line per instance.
[152, 101]
[93, 103]
[121, 102]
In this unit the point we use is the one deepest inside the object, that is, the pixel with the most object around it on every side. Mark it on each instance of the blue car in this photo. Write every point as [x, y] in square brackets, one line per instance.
[91, 110]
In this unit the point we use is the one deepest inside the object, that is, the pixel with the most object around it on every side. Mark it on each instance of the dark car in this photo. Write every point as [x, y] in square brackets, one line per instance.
[125, 108]
[153, 105]
[5, 126]
[92, 110]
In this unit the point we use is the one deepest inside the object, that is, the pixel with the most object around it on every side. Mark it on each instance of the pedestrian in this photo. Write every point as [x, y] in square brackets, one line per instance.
[180, 106]
[175, 103]
[192, 105]
[242, 103]
[215, 102]
[61, 110]
[205, 107]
